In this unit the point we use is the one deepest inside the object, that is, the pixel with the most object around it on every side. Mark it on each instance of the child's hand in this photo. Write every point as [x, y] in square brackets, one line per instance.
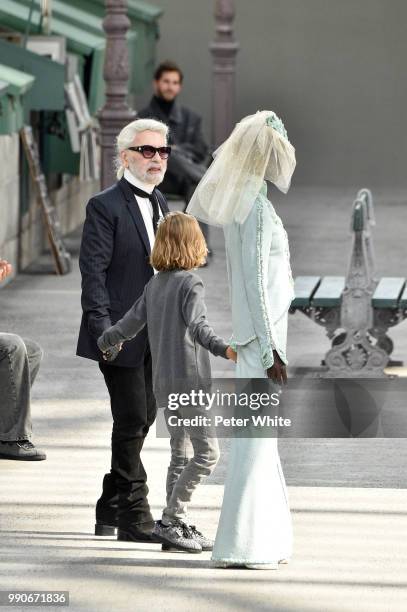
[231, 354]
[112, 352]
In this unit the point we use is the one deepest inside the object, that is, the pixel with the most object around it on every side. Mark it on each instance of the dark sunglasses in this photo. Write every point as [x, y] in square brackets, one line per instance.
[149, 152]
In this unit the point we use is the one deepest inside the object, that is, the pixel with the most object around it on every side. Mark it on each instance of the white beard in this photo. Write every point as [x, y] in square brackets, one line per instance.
[146, 177]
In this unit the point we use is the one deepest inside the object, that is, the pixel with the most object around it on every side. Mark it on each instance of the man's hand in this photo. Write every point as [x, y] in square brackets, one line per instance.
[277, 373]
[5, 269]
[231, 354]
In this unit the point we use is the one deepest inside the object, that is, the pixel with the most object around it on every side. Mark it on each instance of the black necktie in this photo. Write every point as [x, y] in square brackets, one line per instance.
[153, 199]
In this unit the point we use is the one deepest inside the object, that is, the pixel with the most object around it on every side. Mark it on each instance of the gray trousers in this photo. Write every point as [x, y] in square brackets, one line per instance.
[194, 455]
[19, 364]
[182, 177]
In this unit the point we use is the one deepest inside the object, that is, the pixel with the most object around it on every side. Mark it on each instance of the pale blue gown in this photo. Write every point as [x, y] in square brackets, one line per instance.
[255, 525]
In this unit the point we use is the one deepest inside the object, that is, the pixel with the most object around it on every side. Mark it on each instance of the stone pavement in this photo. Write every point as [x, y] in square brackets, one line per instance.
[348, 497]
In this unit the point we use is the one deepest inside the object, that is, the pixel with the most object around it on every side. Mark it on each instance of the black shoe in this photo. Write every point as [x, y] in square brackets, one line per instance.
[168, 548]
[132, 533]
[107, 507]
[177, 535]
[104, 529]
[21, 450]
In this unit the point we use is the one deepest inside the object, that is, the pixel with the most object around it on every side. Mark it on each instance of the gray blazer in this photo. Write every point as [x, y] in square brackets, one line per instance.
[173, 308]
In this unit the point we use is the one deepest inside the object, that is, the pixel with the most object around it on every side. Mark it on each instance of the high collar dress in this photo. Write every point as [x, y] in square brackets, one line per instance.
[255, 524]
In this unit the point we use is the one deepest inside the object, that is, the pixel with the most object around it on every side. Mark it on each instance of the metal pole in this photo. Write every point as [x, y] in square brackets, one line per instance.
[116, 113]
[224, 49]
[28, 24]
[46, 14]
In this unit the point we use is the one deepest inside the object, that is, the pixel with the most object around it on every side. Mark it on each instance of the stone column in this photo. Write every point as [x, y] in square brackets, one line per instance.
[224, 49]
[116, 113]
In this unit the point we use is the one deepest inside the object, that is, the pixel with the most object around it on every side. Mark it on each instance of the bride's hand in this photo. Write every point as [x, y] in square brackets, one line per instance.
[277, 373]
[231, 354]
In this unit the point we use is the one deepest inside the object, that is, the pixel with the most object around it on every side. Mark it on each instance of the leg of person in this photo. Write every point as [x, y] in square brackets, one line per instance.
[178, 184]
[106, 507]
[150, 403]
[19, 365]
[180, 446]
[173, 528]
[108, 503]
[202, 463]
[181, 178]
[190, 187]
[132, 416]
[35, 355]
[255, 527]
[183, 167]
[185, 187]
[172, 184]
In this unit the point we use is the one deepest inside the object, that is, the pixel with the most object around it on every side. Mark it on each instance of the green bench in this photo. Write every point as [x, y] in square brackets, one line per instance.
[357, 310]
[315, 291]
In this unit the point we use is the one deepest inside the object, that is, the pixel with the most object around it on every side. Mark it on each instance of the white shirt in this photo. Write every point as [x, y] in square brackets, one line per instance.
[144, 204]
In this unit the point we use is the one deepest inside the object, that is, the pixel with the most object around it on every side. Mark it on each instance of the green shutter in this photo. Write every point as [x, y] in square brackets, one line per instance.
[47, 93]
[80, 22]
[15, 86]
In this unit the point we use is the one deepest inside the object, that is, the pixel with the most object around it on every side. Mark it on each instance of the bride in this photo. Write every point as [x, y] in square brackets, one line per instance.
[255, 528]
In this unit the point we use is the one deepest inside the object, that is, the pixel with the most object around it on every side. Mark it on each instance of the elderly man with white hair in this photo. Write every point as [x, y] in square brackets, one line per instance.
[117, 240]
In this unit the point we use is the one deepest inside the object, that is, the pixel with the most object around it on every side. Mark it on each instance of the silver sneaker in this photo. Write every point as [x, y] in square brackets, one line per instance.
[177, 535]
[205, 543]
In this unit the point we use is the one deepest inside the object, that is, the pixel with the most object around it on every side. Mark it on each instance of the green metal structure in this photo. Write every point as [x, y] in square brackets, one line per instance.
[47, 92]
[80, 23]
[14, 86]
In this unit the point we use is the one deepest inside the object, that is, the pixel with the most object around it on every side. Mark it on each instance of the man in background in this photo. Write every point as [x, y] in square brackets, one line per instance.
[188, 160]
[189, 156]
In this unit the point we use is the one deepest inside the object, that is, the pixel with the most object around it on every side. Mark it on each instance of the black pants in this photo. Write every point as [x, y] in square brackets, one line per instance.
[124, 496]
[182, 177]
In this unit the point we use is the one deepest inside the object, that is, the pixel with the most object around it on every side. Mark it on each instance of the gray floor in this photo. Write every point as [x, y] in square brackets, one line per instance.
[347, 497]
[47, 308]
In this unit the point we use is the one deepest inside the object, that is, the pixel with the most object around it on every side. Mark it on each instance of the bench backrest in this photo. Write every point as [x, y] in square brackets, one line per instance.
[362, 220]
[360, 283]
[365, 195]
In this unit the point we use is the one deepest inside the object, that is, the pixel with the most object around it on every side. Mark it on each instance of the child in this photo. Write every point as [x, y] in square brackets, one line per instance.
[172, 306]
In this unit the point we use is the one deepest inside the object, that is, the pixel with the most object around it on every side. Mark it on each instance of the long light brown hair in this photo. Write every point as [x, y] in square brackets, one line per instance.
[179, 243]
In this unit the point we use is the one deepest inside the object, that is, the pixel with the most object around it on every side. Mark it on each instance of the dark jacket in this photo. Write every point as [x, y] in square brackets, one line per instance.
[115, 269]
[185, 128]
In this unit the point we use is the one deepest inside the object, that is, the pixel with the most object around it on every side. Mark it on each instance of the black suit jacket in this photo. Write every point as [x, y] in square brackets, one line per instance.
[185, 128]
[114, 265]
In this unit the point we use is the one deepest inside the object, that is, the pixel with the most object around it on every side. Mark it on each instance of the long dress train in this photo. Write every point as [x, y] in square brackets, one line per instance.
[255, 525]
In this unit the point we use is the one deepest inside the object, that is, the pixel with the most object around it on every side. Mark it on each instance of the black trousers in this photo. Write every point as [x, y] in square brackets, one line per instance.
[182, 177]
[124, 496]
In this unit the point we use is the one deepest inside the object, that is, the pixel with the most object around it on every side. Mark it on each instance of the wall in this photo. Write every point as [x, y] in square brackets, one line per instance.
[70, 201]
[23, 240]
[334, 71]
